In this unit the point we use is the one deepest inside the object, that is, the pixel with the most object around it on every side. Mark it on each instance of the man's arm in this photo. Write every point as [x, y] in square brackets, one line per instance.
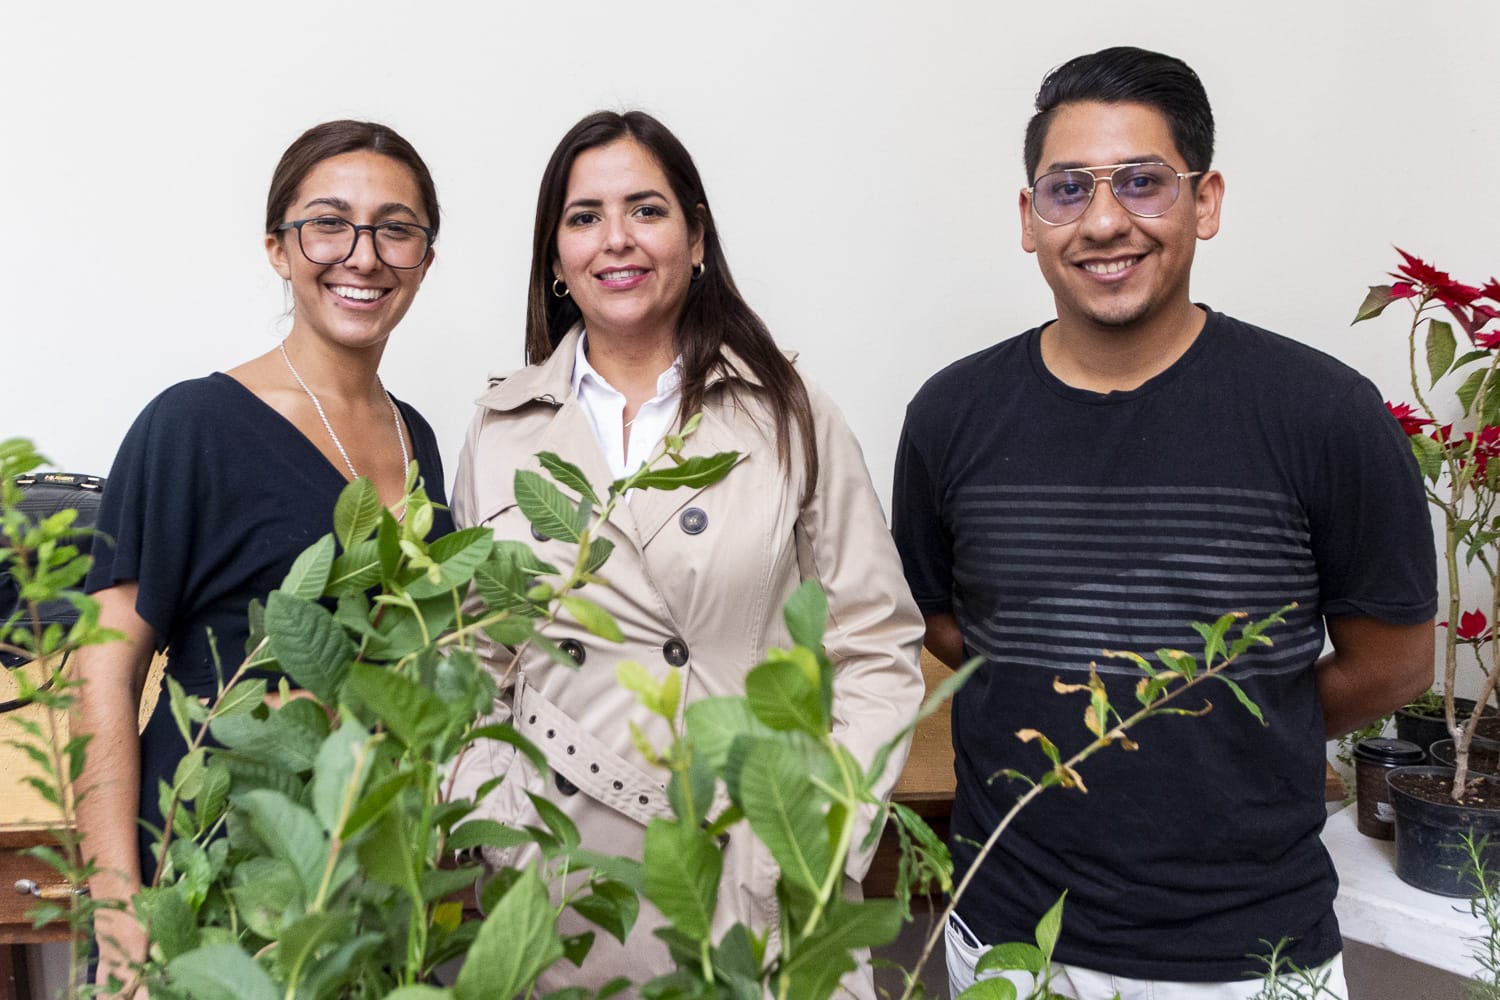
[1375, 667]
[944, 640]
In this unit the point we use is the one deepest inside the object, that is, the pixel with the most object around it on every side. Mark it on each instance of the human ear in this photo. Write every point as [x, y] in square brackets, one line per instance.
[1208, 198]
[699, 228]
[1028, 221]
[276, 254]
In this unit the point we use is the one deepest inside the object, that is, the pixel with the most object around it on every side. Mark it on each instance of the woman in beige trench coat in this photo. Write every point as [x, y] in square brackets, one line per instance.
[635, 322]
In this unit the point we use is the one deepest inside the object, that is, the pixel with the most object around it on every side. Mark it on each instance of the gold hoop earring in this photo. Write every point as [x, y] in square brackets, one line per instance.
[699, 270]
[557, 283]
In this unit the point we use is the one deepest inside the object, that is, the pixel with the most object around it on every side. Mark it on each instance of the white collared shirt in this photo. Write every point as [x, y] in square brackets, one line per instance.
[605, 407]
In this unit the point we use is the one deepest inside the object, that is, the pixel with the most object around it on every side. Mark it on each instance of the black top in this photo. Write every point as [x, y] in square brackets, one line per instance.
[1054, 523]
[212, 496]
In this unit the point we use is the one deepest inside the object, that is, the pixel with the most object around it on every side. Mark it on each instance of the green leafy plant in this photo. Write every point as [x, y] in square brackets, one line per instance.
[1463, 479]
[45, 565]
[1159, 686]
[1283, 980]
[1484, 905]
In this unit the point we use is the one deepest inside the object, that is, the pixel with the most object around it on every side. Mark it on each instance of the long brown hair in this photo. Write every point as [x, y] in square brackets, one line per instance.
[714, 317]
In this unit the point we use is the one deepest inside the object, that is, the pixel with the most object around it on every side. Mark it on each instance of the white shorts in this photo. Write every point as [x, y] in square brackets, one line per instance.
[964, 949]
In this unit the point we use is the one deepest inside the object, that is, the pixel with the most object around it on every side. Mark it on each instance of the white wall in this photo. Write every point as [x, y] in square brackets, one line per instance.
[863, 159]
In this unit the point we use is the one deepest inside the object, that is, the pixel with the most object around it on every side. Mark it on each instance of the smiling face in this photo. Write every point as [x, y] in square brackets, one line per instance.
[625, 246]
[1110, 269]
[357, 303]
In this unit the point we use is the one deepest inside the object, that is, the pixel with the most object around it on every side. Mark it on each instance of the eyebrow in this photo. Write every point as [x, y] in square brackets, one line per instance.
[630, 199]
[340, 205]
[1081, 165]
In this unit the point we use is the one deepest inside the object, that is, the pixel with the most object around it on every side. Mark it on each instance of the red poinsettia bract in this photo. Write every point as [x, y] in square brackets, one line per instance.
[1412, 422]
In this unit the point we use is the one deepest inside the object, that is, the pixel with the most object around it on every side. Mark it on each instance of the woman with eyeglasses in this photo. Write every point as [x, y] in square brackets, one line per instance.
[635, 325]
[223, 480]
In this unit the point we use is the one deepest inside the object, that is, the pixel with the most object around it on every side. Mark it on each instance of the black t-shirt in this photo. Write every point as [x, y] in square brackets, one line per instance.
[212, 496]
[1054, 523]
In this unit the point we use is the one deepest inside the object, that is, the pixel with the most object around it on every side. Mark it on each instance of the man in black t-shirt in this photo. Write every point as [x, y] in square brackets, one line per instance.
[1105, 480]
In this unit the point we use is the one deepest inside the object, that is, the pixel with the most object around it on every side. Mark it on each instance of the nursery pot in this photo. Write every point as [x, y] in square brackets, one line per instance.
[1429, 854]
[1424, 730]
[1484, 755]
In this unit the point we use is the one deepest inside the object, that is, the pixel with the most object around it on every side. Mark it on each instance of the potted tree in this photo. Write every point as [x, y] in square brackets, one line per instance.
[1454, 429]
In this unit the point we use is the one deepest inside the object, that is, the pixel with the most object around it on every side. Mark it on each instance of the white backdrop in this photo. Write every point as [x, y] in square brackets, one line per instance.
[863, 159]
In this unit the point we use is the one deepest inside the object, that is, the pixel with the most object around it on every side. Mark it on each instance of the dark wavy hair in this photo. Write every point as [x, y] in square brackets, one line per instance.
[330, 139]
[714, 317]
[1126, 75]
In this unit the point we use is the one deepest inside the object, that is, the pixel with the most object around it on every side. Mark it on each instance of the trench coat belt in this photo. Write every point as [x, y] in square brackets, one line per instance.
[582, 759]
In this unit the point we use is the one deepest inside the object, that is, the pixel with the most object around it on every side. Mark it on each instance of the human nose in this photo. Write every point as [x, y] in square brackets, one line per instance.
[617, 233]
[363, 255]
[1103, 215]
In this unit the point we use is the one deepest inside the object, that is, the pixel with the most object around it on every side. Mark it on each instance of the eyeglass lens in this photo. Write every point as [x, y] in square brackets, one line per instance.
[1144, 189]
[331, 241]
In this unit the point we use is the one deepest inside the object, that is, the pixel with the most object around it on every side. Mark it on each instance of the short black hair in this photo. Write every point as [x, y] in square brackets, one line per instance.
[1128, 75]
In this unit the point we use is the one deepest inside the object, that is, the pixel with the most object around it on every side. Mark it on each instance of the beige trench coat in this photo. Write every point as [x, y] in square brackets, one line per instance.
[697, 581]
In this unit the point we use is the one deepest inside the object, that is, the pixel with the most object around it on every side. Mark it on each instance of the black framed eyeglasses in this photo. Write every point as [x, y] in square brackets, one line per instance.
[1147, 190]
[329, 239]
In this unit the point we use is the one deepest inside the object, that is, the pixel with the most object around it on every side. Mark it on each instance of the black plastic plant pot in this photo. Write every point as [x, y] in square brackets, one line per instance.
[1429, 835]
[1424, 730]
[1484, 755]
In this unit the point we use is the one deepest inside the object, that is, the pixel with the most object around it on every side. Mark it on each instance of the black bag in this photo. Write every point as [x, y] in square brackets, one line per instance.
[46, 493]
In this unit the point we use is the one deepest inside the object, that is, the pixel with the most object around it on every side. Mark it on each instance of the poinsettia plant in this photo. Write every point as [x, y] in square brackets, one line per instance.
[1454, 429]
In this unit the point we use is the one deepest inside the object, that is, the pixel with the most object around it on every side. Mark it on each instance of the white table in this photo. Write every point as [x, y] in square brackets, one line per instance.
[1376, 908]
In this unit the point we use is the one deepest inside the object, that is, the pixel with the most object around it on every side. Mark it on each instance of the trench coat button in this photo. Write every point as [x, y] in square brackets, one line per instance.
[574, 649]
[537, 534]
[645, 800]
[693, 520]
[723, 841]
[675, 652]
[564, 785]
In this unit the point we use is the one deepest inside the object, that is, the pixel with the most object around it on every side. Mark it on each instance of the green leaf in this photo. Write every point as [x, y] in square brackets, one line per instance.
[356, 515]
[309, 572]
[1244, 699]
[301, 942]
[374, 803]
[693, 473]
[783, 697]
[419, 993]
[600, 550]
[288, 737]
[806, 614]
[569, 475]
[1441, 346]
[713, 723]
[1374, 304]
[784, 809]
[1013, 956]
[548, 510]
[1470, 388]
[556, 821]
[989, 989]
[173, 927]
[413, 714]
[594, 618]
[339, 774]
[1429, 456]
[289, 831]
[691, 791]
[389, 856]
[356, 570]
[683, 865]
[1049, 928]
[220, 972]
[458, 556]
[818, 963]
[610, 906]
[486, 833]
[310, 646]
[516, 942]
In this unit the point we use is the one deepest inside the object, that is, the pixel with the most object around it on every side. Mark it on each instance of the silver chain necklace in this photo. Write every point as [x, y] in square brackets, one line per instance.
[395, 416]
